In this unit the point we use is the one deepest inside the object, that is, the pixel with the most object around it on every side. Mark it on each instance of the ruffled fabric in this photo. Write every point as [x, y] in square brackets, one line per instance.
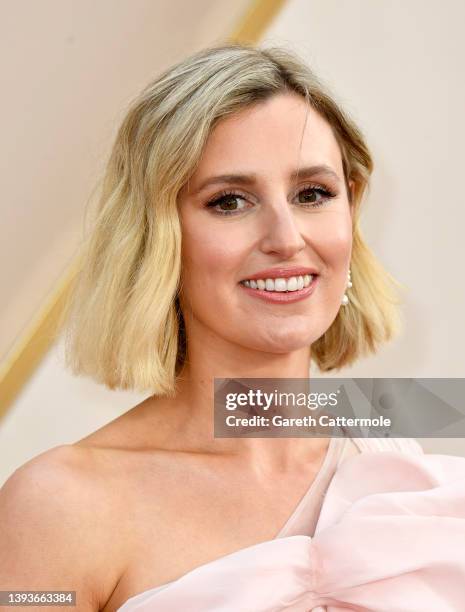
[390, 538]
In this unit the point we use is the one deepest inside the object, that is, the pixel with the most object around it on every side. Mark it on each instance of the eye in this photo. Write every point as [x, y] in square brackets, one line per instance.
[314, 196]
[228, 202]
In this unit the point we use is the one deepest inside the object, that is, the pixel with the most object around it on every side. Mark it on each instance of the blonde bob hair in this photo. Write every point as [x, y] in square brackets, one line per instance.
[123, 321]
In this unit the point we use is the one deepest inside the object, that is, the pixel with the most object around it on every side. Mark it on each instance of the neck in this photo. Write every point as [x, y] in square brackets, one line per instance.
[193, 407]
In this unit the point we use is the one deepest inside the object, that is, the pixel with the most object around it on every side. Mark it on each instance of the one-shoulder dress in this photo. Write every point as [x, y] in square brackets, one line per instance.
[381, 528]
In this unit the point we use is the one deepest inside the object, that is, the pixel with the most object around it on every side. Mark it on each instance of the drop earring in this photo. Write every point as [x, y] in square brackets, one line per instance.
[345, 297]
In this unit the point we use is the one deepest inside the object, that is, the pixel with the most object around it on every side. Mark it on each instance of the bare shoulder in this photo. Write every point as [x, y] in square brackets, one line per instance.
[56, 476]
[51, 515]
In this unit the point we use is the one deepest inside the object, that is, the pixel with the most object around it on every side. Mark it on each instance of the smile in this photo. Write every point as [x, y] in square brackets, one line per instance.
[281, 290]
[294, 283]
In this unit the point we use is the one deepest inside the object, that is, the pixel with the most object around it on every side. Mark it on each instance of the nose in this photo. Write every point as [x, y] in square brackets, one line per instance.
[281, 233]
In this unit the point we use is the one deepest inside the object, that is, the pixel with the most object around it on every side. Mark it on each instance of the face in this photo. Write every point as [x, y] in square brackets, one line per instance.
[246, 210]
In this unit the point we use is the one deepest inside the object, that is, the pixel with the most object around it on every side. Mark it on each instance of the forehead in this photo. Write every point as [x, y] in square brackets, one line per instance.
[272, 136]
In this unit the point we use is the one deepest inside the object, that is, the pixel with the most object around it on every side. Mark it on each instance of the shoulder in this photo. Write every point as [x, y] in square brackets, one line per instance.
[52, 514]
[57, 475]
[53, 476]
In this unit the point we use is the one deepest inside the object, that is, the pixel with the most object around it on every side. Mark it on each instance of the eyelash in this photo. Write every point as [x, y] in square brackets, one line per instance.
[323, 191]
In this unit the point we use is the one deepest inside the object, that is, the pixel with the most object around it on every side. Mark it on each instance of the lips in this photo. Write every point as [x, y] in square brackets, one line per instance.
[282, 297]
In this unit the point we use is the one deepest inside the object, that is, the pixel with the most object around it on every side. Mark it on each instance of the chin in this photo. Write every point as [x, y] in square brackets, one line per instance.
[285, 343]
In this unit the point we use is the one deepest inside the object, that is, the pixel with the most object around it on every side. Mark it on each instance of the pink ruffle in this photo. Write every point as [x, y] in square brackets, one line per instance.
[390, 538]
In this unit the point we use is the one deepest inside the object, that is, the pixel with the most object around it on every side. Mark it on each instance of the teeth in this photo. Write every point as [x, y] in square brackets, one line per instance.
[294, 283]
[289, 284]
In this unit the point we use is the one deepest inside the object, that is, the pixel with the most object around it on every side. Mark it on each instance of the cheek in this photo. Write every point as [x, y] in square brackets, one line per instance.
[337, 246]
[332, 239]
[211, 258]
[333, 244]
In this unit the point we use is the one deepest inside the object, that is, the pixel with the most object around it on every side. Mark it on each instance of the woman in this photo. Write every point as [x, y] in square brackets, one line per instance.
[227, 244]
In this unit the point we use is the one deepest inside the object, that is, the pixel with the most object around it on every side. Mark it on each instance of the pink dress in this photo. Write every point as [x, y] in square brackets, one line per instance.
[381, 528]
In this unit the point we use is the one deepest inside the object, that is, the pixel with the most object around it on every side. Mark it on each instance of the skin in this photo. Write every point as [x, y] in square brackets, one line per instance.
[155, 478]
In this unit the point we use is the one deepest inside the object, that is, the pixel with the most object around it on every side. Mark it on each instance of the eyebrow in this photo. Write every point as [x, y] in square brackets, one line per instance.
[250, 179]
